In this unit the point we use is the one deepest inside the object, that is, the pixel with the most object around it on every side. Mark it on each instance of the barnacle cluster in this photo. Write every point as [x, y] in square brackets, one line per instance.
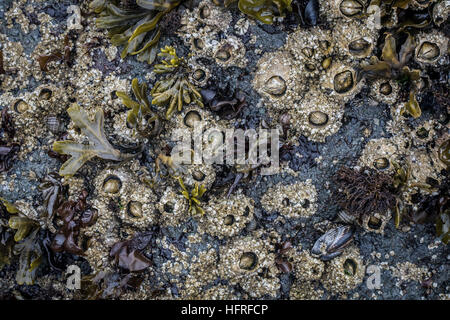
[150, 227]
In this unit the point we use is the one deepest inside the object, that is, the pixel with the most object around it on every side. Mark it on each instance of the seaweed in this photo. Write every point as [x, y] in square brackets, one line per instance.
[225, 108]
[30, 257]
[264, 11]
[98, 146]
[134, 24]
[393, 66]
[193, 197]
[102, 285]
[27, 245]
[127, 254]
[74, 215]
[140, 117]
[363, 192]
[2, 68]
[175, 89]
[63, 56]
[51, 188]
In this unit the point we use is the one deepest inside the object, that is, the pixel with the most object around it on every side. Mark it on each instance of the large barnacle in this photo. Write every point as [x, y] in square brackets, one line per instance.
[140, 116]
[174, 90]
[98, 146]
[193, 197]
[263, 10]
[134, 24]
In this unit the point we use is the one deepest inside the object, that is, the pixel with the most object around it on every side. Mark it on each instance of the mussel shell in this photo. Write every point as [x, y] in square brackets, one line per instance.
[343, 81]
[332, 243]
[351, 8]
[326, 63]
[275, 86]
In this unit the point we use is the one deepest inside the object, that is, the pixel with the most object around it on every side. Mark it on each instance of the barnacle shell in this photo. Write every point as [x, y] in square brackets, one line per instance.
[173, 208]
[20, 106]
[292, 200]
[120, 192]
[226, 217]
[340, 80]
[249, 262]
[309, 115]
[440, 12]
[344, 272]
[276, 79]
[375, 222]
[432, 48]
[385, 91]
[230, 52]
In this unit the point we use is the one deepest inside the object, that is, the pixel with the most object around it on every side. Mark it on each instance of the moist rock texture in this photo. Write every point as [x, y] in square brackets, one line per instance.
[349, 91]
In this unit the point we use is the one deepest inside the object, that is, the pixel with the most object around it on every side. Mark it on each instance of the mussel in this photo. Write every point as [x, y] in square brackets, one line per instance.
[332, 243]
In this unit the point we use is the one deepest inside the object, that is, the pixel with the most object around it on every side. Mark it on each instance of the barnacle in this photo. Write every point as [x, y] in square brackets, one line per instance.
[98, 146]
[140, 116]
[263, 10]
[175, 89]
[134, 26]
[193, 197]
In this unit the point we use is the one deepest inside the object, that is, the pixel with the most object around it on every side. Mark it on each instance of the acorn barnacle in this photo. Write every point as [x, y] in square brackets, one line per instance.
[431, 48]
[351, 8]
[20, 106]
[112, 184]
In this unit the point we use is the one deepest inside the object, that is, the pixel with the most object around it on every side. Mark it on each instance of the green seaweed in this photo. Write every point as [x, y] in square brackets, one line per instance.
[98, 146]
[175, 90]
[27, 244]
[393, 66]
[193, 197]
[30, 257]
[134, 25]
[140, 116]
[263, 10]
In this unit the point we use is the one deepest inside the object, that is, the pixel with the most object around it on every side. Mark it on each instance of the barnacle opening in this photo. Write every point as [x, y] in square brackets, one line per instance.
[248, 261]
[229, 220]
[275, 86]
[350, 266]
[20, 106]
[112, 184]
[343, 82]
[45, 94]
[134, 209]
[318, 118]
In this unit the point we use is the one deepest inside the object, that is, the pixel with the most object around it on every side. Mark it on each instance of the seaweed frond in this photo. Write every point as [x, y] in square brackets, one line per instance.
[193, 197]
[134, 26]
[140, 117]
[98, 146]
[393, 66]
[27, 245]
[263, 10]
[175, 90]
